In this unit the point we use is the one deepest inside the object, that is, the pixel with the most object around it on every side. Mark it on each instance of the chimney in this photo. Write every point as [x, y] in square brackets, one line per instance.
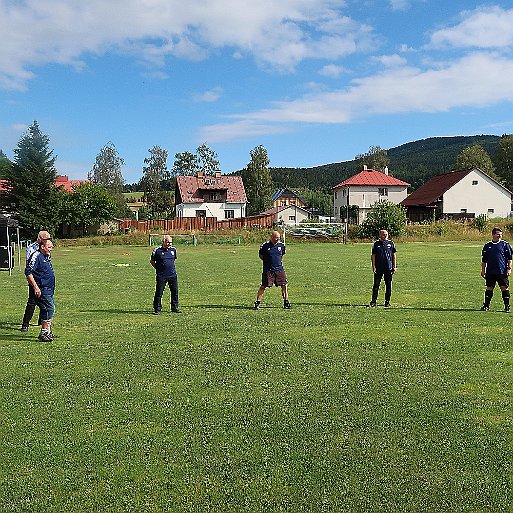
[365, 167]
[218, 174]
[385, 170]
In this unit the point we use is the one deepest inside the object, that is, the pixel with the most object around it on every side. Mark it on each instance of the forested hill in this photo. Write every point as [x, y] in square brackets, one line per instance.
[414, 162]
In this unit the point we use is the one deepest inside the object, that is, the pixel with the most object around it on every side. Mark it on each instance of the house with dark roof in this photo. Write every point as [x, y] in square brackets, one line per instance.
[363, 190]
[289, 215]
[466, 193]
[219, 196]
[284, 197]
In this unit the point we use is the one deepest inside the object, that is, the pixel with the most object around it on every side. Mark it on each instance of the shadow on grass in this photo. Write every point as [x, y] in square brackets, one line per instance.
[393, 307]
[14, 326]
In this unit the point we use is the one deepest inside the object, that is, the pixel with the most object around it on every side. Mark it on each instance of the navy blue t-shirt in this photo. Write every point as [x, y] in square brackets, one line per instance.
[496, 256]
[164, 259]
[384, 251]
[40, 267]
[271, 255]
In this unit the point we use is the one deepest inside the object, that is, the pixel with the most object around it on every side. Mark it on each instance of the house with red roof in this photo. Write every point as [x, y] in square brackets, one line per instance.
[219, 196]
[465, 193]
[67, 184]
[289, 215]
[364, 189]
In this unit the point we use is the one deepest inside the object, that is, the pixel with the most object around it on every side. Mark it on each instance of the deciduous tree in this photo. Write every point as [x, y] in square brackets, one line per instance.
[376, 158]
[185, 164]
[155, 172]
[475, 156]
[504, 160]
[207, 160]
[258, 182]
[384, 215]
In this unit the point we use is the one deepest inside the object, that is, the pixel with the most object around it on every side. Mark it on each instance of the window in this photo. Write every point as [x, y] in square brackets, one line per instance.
[229, 214]
[201, 213]
[336, 195]
[292, 218]
[474, 182]
[214, 196]
[383, 191]
[463, 211]
[491, 210]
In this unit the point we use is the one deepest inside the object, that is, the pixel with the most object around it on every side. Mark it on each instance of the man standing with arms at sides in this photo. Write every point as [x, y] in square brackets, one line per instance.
[163, 260]
[496, 268]
[41, 278]
[384, 265]
[31, 305]
[271, 254]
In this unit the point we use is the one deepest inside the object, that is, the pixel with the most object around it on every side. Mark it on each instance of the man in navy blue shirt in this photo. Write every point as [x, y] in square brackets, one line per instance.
[31, 304]
[496, 268]
[273, 273]
[384, 265]
[163, 260]
[41, 278]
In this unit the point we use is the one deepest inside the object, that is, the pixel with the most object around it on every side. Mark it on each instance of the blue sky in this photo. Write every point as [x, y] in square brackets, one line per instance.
[314, 81]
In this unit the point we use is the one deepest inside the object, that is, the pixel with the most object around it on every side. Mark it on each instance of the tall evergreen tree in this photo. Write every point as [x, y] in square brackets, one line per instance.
[504, 160]
[31, 195]
[258, 182]
[4, 164]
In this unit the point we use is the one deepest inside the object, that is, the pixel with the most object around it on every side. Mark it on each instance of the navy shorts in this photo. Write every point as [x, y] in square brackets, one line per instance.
[501, 279]
[271, 278]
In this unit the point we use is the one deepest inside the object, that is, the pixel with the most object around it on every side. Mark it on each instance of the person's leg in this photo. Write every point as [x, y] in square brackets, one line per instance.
[173, 287]
[47, 310]
[504, 286]
[261, 291]
[160, 284]
[388, 287]
[29, 310]
[375, 287]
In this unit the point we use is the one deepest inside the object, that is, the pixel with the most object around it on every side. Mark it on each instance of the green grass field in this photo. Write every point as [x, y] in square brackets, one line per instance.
[329, 407]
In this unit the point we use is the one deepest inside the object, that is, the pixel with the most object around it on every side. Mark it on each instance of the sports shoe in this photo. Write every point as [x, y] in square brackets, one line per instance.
[287, 305]
[506, 309]
[52, 336]
[45, 337]
[24, 329]
[372, 304]
[484, 308]
[156, 312]
[256, 306]
[387, 304]
[176, 310]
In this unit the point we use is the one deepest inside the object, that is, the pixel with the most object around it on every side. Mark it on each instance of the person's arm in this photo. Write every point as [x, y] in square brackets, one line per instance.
[33, 284]
[508, 268]
[483, 269]
[373, 260]
[394, 262]
[153, 263]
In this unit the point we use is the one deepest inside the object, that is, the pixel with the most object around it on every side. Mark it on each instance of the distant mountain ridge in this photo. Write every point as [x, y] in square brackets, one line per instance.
[414, 162]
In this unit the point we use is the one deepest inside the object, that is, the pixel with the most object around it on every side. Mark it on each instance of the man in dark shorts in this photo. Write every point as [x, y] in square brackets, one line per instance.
[384, 265]
[271, 254]
[496, 268]
[41, 279]
[163, 261]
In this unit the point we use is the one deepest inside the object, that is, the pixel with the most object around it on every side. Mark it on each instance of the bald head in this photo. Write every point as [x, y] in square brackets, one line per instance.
[167, 241]
[275, 237]
[42, 236]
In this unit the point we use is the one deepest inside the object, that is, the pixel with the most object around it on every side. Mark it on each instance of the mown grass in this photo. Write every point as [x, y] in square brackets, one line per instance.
[328, 407]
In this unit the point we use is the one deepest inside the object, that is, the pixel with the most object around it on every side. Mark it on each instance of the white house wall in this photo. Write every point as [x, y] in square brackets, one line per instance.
[366, 196]
[286, 215]
[477, 199]
[212, 209]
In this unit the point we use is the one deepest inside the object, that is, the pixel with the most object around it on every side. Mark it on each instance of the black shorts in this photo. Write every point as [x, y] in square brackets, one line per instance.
[271, 278]
[501, 279]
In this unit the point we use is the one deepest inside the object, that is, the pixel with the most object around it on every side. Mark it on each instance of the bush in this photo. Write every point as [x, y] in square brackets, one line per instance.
[384, 215]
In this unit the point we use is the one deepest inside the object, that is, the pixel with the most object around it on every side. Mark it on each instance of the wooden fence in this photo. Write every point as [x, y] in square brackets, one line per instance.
[195, 224]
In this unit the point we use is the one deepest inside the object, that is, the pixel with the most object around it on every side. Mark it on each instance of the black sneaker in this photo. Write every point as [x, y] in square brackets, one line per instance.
[372, 304]
[387, 304]
[176, 310]
[45, 337]
[287, 305]
[52, 336]
[506, 309]
[24, 329]
[484, 308]
[256, 306]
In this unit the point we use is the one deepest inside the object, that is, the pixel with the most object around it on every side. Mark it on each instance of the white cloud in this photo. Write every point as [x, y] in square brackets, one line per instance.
[224, 132]
[391, 61]
[332, 71]
[208, 96]
[487, 28]
[279, 34]
[399, 5]
[477, 80]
